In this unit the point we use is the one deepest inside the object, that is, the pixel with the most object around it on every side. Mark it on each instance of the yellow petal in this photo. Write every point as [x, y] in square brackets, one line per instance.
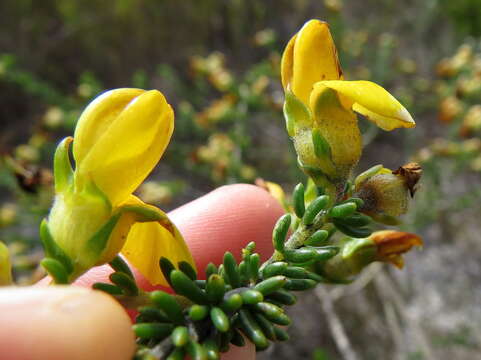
[372, 101]
[129, 149]
[312, 56]
[98, 116]
[5, 266]
[287, 62]
[147, 242]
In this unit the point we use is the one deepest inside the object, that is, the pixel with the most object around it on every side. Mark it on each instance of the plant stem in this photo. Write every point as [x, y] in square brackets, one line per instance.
[297, 239]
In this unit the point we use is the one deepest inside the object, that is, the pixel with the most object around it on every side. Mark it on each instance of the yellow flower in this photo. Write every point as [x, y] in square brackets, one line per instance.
[320, 106]
[118, 140]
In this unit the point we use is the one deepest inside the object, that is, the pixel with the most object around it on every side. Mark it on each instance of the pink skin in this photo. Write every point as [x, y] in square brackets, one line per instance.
[41, 324]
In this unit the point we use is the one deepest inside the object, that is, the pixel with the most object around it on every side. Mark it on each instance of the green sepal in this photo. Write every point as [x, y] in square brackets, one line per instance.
[230, 270]
[196, 351]
[252, 330]
[145, 213]
[295, 113]
[298, 200]
[281, 334]
[62, 168]
[108, 288]
[265, 325]
[168, 305]
[56, 270]
[300, 255]
[52, 250]
[183, 285]
[367, 174]
[125, 282]
[279, 232]
[300, 284]
[152, 330]
[250, 297]
[276, 268]
[343, 210]
[219, 319]
[271, 284]
[215, 288]
[314, 208]
[322, 149]
[119, 265]
[198, 312]
[180, 336]
[318, 238]
[98, 242]
[231, 303]
[283, 296]
[273, 313]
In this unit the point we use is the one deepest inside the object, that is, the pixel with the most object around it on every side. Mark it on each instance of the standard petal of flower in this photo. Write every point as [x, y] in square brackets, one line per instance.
[314, 59]
[98, 116]
[287, 62]
[374, 102]
[121, 159]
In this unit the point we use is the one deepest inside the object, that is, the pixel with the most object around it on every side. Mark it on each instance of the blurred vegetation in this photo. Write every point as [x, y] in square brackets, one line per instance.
[218, 64]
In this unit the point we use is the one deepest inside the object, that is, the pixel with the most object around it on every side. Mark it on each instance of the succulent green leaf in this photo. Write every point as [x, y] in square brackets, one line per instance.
[314, 208]
[279, 232]
[298, 200]
[152, 330]
[125, 282]
[168, 305]
[183, 285]
[56, 270]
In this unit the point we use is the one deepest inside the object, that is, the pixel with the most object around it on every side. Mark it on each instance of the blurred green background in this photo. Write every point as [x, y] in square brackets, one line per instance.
[218, 64]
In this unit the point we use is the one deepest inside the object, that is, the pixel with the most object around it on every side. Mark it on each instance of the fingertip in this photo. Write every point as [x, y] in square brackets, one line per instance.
[227, 219]
[63, 323]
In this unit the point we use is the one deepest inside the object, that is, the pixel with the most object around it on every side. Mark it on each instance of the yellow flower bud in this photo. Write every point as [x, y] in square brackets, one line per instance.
[118, 140]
